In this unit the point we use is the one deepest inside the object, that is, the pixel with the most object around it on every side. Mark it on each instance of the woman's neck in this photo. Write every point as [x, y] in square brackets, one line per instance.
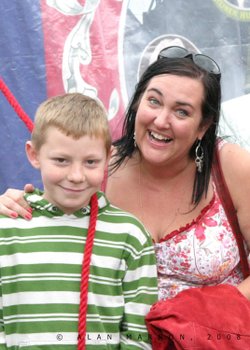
[170, 173]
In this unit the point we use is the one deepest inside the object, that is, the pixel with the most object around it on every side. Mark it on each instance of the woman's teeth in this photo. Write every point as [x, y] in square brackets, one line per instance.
[159, 137]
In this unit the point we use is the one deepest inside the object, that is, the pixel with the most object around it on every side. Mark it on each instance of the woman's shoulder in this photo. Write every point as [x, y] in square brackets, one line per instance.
[235, 164]
[234, 158]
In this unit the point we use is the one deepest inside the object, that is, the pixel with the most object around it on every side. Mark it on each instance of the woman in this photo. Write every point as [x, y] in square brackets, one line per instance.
[163, 164]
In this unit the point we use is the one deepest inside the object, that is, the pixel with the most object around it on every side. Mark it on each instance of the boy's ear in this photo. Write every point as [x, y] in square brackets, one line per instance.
[32, 155]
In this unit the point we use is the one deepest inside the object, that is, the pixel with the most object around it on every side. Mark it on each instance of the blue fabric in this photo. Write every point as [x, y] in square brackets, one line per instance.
[22, 67]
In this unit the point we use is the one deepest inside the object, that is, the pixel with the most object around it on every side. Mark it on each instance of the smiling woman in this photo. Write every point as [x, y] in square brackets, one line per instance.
[164, 160]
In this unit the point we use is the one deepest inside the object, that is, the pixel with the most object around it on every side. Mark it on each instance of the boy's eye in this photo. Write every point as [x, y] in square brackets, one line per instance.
[92, 161]
[60, 160]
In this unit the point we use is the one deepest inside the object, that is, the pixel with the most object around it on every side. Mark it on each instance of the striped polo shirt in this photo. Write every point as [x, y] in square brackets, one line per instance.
[40, 267]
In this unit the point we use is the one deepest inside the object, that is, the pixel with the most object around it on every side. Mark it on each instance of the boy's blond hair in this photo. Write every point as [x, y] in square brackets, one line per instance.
[75, 115]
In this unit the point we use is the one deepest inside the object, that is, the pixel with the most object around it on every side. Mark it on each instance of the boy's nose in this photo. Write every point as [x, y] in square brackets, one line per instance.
[76, 174]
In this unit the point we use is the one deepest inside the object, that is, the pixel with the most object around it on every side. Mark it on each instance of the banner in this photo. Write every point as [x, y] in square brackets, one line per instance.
[100, 48]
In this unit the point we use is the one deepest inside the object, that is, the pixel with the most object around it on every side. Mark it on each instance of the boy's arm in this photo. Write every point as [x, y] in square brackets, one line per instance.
[140, 292]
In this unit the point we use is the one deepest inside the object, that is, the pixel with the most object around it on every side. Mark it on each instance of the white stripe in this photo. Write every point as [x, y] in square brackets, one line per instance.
[41, 277]
[143, 271]
[58, 317]
[136, 327]
[2, 338]
[59, 258]
[44, 221]
[108, 319]
[37, 319]
[137, 344]
[63, 338]
[39, 239]
[105, 300]
[22, 340]
[140, 290]
[121, 245]
[137, 309]
[118, 228]
[41, 258]
[37, 298]
[59, 276]
[108, 283]
[108, 262]
[45, 316]
[58, 297]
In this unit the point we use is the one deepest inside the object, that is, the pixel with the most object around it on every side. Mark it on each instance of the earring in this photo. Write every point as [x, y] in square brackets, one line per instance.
[199, 156]
[134, 137]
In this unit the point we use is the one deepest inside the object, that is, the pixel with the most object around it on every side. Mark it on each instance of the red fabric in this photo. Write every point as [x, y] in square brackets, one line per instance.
[208, 318]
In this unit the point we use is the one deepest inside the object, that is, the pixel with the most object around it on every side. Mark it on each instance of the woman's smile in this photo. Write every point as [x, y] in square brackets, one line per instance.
[159, 137]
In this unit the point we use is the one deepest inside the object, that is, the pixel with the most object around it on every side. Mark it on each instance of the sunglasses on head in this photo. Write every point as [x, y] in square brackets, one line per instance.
[202, 61]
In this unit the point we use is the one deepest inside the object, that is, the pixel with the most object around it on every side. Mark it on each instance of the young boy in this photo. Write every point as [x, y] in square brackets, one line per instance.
[57, 291]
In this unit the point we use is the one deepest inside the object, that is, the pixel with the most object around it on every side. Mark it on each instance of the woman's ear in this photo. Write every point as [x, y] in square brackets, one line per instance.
[32, 155]
[203, 130]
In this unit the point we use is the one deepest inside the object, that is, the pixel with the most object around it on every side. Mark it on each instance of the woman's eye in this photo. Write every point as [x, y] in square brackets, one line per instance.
[153, 101]
[182, 113]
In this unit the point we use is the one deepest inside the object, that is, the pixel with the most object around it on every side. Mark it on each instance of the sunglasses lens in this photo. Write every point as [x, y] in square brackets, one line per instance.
[206, 63]
[173, 52]
[203, 61]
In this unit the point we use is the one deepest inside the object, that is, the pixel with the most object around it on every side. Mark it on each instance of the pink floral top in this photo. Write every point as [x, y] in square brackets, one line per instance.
[204, 252]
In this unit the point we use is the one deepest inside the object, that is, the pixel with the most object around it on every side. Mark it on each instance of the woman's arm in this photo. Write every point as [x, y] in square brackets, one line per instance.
[235, 162]
[13, 204]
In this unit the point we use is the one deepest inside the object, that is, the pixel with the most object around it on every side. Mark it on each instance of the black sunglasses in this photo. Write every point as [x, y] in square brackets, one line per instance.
[202, 61]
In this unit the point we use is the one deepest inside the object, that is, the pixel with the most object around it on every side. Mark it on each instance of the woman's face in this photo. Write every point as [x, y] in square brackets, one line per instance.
[168, 119]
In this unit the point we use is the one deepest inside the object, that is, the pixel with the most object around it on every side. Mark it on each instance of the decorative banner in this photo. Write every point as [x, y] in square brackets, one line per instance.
[100, 48]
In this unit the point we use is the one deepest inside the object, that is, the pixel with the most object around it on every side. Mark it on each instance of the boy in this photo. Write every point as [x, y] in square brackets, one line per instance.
[53, 282]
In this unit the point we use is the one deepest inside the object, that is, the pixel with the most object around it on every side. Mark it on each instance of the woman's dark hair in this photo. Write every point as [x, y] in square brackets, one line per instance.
[210, 115]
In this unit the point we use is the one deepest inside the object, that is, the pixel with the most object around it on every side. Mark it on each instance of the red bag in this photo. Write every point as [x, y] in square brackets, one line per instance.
[207, 318]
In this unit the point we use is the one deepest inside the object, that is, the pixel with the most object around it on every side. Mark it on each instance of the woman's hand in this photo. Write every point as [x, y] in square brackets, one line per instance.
[13, 204]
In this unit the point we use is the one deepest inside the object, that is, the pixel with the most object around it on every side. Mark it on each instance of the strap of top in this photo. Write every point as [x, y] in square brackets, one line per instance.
[226, 200]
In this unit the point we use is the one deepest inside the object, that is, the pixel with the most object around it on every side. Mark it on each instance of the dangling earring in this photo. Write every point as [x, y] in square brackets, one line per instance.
[199, 155]
[134, 137]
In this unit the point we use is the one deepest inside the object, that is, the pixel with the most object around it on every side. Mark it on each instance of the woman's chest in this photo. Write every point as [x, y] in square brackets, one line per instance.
[203, 250]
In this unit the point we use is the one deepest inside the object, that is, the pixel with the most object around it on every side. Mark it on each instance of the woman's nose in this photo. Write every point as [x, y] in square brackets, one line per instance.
[163, 119]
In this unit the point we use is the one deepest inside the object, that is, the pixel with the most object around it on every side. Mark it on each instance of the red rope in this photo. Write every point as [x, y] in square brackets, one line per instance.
[82, 326]
[16, 106]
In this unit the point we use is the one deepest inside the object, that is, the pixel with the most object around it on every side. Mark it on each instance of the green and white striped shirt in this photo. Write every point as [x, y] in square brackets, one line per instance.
[40, 267]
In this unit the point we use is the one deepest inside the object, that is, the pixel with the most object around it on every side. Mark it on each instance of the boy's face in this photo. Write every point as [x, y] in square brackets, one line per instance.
[72, 170]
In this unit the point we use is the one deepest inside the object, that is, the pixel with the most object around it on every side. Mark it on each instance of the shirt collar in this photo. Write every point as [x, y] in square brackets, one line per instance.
[37, 202]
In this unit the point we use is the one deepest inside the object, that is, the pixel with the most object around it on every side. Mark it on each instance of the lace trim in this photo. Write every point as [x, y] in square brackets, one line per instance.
[190, 224]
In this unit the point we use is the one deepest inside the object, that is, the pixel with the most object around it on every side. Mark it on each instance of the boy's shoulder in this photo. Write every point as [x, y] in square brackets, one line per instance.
[120, 221]
[117, 212]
